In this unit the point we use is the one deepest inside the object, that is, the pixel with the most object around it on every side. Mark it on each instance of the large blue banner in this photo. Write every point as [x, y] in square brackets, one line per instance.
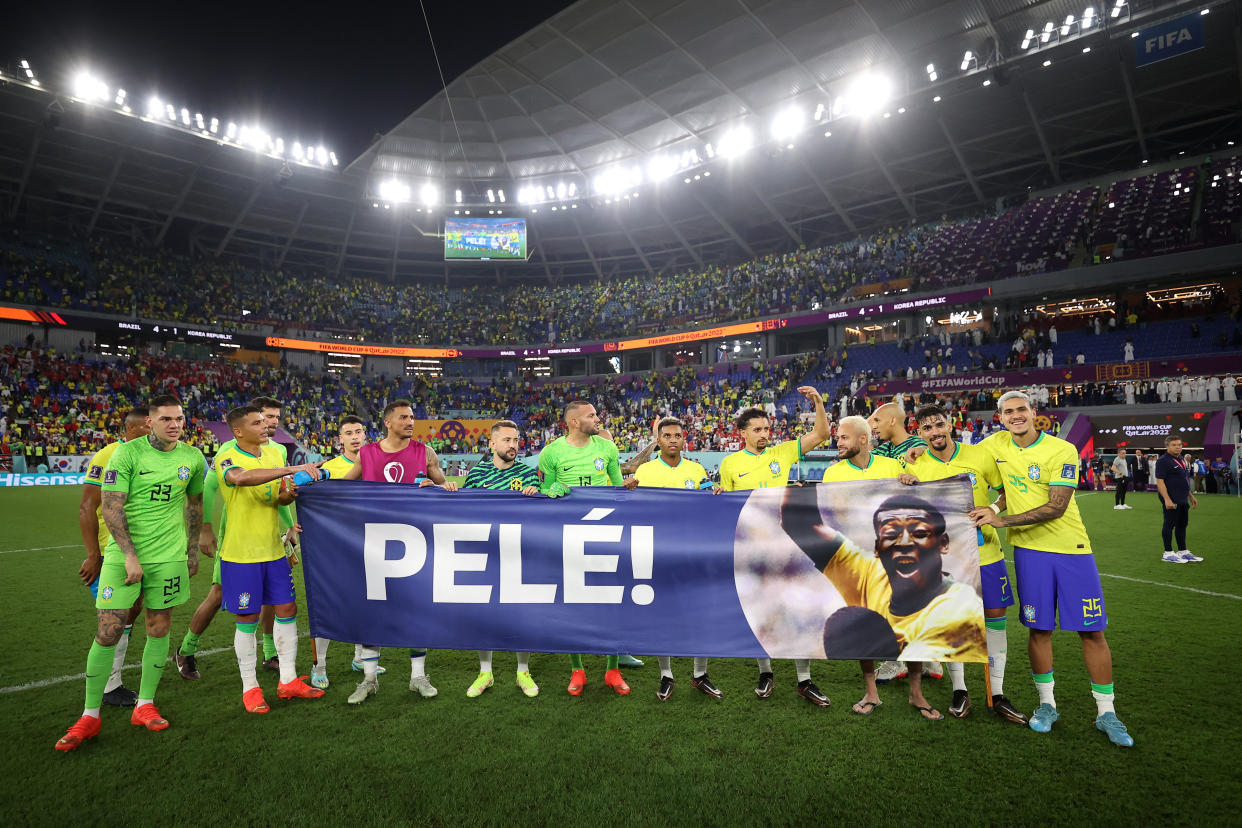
[1169, 39]
[775, 572]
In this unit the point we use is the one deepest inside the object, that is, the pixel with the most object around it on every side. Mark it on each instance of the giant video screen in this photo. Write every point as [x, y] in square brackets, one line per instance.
[484, 239]
[1149, 430]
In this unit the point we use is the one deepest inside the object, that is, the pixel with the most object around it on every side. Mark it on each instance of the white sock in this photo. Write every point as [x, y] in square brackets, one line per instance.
[118, 661]
[998, 646]
[485, 661]
[247, 659]
[957, 672]
[91, 711]
[1103, 702]
[358, 653]
[765, 665]
[285, 633]
[1044, 688]
[369, 658]
[523, 662]
[803, 666]
[418, 666]
[141, 702]
[321, 653]
[666, 666]
[700, 666]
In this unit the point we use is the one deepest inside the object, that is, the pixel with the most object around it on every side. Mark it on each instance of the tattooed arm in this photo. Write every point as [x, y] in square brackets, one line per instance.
[630, 466]
[193, 526]
[1058, 501]
[113, 508]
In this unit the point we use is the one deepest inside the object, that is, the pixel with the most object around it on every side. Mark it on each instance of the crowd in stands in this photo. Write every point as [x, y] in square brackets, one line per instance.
[1145, 215]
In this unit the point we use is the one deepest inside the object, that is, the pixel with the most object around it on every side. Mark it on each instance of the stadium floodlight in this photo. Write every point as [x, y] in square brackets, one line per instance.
[573, 189]
[551, 192]
[868, 94]
[1027, 38]
[1047, 32]
[1067, 25]
[215, 125]
[819, 109]
[491, 196]
[660, 167]
[457, 196]
[711, 151]
[332, 158]
[87, 87]
[735, 142]
[120, 97]
[501, 195]
[967, 59]
[1087, 17]
[154, 107]
[232, 131]
[185, 116]
[931, 74]
[297, 150]
[280, 146]
[561, 189]
[429, 194]
[198, 119]
[787, 123]
[394, 191]
[170, 112]
[321, 155]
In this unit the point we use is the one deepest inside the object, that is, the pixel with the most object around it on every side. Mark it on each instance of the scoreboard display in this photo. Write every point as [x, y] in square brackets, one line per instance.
[1149, 430]
[485, 239]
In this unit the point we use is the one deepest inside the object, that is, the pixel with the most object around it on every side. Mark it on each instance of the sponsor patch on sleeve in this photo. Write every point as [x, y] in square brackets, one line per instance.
[1068, 471]
[110, 476]
[95, 472]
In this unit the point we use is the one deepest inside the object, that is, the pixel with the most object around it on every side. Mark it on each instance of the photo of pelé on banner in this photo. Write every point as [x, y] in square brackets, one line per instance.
[868, 569]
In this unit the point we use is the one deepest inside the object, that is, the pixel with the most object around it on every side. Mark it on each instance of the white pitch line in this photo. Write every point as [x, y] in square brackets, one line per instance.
[1173, 586]
[35, 685]
[39, 548]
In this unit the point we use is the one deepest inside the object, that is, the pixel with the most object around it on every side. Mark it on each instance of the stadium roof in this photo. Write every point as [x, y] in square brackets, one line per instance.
[610, 88]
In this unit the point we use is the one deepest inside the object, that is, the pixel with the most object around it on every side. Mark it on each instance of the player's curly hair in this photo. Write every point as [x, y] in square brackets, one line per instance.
[749, 414]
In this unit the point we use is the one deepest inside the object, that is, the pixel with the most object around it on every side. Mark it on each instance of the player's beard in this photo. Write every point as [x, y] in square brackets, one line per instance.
[508, 455]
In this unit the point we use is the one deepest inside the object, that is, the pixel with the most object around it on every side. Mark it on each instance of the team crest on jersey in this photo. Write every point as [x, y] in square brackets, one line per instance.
[973, 480]
[689, 484]
[183, 473]
[106, 593]
[226, 462]
[1068, 471]
[109, 477]
[775, 467]
[1028, 613]
[1032, 471]
[95, 472]
[599, 464]
[243, 601]
[516, 484]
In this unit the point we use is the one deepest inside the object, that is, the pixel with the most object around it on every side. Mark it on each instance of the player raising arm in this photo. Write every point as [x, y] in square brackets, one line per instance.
[760, 466]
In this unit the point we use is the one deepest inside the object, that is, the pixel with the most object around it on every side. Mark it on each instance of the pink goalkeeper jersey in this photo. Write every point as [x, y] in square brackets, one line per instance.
[403, 466]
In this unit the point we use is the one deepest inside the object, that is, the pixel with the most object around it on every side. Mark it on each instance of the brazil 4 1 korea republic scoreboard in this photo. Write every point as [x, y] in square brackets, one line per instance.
[485, 238]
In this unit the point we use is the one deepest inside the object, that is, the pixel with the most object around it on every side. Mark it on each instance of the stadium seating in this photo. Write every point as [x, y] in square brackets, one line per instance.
[1139, 216]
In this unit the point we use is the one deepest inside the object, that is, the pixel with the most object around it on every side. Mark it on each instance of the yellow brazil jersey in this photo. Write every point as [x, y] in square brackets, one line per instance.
[338, 466]
[976, 462]
[949, 628]
[767, 470]
[1028, 474]
[877, 468]
[94, 477]
[253, 534]
[687, 474]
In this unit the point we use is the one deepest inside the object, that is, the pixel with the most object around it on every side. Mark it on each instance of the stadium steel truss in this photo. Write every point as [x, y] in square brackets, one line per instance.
[607, 86]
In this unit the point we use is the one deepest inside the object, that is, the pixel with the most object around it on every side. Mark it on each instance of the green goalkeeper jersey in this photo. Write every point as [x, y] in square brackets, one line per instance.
[156, 484]
[563, 467]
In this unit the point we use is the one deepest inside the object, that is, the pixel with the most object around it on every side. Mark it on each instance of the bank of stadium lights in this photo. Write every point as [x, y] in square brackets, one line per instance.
[969, 59]
[786, 125]
[735, 142]
[931, 73]
[1071, 26]
[867, 95]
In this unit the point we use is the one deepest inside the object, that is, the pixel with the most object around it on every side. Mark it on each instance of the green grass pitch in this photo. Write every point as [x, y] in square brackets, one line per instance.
[505, 759]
